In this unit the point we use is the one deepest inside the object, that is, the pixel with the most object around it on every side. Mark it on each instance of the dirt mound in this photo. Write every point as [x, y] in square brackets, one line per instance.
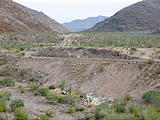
[83, 53]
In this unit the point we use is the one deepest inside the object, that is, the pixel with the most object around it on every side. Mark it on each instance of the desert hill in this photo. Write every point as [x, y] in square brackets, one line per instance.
[142, 16]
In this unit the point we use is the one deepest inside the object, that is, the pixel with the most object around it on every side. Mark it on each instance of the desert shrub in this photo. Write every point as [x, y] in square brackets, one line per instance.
[80, 109]
[100, 112]
[150, 95]
[63, 99]
[71, 110]
[44, 117]
[41, 45]
[48, 113]
[4, 96]
[133, 49]
[52, 87]
[57, 98]
[23, 54]
[136, 111]
[21, 90]
[7, 82]
[140, 65]
[17, 103]
[156, 101]
[21, 48]
[1, 118]
[89, 117]
[150, 61]
[3, 107]
[72, 100]
[32, 86]
[158, 71]
[42, 91]
[32, 79]
[158, 52]
[127, 97]
[4, 59]
[101, 69]
[120, 116]
[20, 114]
[151, 113]
[119, 108]
[62, 85]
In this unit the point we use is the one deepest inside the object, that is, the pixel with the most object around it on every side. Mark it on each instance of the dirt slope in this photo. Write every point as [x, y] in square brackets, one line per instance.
[115, 78]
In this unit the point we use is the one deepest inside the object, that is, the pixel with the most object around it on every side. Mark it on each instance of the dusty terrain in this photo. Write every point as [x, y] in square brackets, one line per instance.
[106, 72]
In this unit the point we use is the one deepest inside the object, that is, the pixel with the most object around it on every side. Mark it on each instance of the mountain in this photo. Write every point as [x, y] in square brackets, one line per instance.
[46, 18]
[83, 24]
[15, 18]
[141, 16]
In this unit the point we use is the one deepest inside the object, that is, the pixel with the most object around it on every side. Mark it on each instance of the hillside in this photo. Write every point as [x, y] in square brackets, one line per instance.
[83, 24]
[46, 18]
[14, 18]
[142, 16]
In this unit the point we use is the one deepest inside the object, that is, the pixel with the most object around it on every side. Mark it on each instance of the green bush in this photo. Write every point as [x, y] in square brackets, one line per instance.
[1, 118]
[32, 86]
[19, 114]
[150, 95]
[21, 48]
[3, 107]
[137, 112]
[100, 112]
[44, 117]
[80, 109]
[62, 85]
[158, 71]
[133, 49]
[52, 87]
[4, 96]
[42, 91]
[52, 98]
[151, 113]
[156, 101]
[63, 99]
[127, 97]
[89, 117]
[49, 114]
[7, 82]
[57, 98]
[17, 103]
[140, 65]
[119, 108]
[21, 90]
[71, 111]
[32, 79]
[150, 62]
[120, 116]
[101, 69]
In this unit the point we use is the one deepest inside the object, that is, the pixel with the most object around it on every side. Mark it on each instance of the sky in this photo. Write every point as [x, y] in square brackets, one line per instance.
[68, 10]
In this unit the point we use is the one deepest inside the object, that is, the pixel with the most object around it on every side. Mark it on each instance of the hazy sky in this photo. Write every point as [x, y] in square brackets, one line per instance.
[68, 10]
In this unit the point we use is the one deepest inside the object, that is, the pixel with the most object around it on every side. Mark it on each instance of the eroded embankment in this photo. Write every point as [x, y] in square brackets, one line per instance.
[83, 53]
[103, 77]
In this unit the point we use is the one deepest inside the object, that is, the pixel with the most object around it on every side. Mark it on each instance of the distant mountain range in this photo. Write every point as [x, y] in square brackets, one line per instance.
[142, 16]
[83, 24]
[17, 18]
